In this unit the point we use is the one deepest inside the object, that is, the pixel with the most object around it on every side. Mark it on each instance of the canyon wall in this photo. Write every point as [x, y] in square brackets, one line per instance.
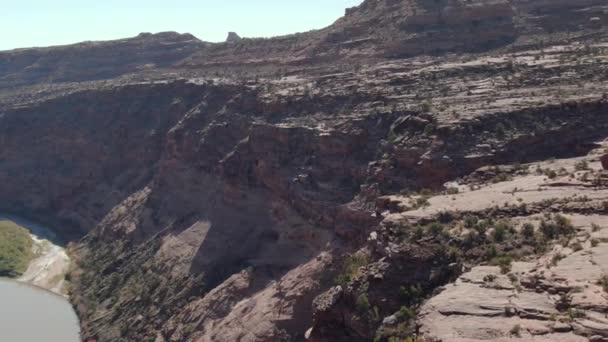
[213, 191]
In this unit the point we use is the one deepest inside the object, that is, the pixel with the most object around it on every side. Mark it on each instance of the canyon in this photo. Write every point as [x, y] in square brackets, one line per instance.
[375, 180]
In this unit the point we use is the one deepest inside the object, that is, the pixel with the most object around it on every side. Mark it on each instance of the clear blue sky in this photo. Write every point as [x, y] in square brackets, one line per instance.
[27, 23]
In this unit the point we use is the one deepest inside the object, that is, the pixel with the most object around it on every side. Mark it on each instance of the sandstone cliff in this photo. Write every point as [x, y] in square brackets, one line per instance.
[295, 188]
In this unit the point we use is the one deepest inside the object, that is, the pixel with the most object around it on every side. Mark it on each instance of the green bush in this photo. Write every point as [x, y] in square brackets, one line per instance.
[418, 233]
[452, 191]
[412, 294]
[603, 282]
[504, 262]
[363, 304]
[351, 267]
[470, 221]
[15, 249]
[528, 230]
[551, 174]
[558, 226]
[582, 165]
[435, 228]
[406, 314]
[500, 232]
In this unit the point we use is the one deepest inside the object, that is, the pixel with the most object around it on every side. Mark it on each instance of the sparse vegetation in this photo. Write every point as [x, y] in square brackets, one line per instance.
[516, 331]
[351, 267]
[558, 226]
[470, 221]
[406, 314]
[576, 246]
[15, 249]
[501, 177]
[527, 230]
[581, 165]
[489, 278]
[411, 295]
[551, 174]
[363, 304]
[452, 191]
[504, 262]
[603, 282]
[500, 231]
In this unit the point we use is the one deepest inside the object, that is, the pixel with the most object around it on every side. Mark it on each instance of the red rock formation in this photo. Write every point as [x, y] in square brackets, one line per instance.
[212, 201]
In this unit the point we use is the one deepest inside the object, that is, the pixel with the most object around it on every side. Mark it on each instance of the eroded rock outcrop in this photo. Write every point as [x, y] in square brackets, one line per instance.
[233, 37]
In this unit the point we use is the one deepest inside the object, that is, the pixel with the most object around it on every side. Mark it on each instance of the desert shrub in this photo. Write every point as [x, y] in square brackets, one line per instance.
[574, 313]
[551, 174]
[418, 233]
[426, 192]
[435, 228]
[558, 226]
[576, 246]
[412, 294]
[426, 106]
[504, 262]
[470, 221]
[581, 165]
[527, 230]
[489, 278]
[603, 282]
[500, 231]
[351, 267]
[363, 304]
[452, 191]
[516, 330]
[421, 202]
[446, 216]
[556, 258]
[406, 314]
[501, 177]
[491, 252]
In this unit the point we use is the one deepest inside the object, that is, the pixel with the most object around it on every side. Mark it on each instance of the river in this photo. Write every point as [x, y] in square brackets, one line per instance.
[34, 307]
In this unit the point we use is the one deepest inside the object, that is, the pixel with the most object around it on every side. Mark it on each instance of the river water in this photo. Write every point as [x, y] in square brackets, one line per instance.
[31, 313]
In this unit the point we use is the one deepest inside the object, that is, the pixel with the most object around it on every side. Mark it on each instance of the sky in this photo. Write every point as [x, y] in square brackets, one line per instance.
[28, 23]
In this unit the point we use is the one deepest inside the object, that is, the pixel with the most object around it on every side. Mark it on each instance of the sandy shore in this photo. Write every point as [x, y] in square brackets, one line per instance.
[48, 268]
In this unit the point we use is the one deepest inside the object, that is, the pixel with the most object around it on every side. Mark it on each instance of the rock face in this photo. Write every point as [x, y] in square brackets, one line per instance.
[233, 37]
[420, 26]
[286, 188]
[94, 60]
[604, 160]
[375, 29]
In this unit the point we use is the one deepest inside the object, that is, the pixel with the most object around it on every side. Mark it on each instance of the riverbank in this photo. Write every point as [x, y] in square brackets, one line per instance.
[50, 262]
